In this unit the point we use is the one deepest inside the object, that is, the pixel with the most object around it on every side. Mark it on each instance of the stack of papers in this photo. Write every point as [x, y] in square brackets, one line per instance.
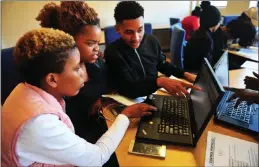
[224, 150]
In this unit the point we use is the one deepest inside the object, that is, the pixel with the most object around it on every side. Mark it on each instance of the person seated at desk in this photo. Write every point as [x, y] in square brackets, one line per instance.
[35, 128]
[251, 15]
[81, 21]
[238, 33]
[250, 94]
[135, 59]
[201, 43]
[191, 23]
[241, 32]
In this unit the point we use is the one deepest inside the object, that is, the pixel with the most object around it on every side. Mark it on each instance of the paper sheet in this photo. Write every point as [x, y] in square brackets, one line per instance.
[124, 100]
[251, 53]
[250, 65]
[224, 150]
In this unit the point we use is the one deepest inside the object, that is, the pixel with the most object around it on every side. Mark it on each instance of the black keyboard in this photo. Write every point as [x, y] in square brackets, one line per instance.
[242, 113]
[173, 118]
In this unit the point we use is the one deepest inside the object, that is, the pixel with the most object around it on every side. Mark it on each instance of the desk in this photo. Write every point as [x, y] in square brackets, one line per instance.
[249, 54]
[250, 65]
[236, 77]
[179, 155]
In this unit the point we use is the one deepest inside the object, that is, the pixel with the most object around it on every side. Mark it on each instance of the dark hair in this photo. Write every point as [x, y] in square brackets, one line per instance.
[210, 15]
[42, 51]
[205, 4]
[196, 12]
[70, 16]
[126, 10]
[242, 30]
[244, 17]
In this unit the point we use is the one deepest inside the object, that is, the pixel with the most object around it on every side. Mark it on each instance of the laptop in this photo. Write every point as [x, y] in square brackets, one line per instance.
[221, 69]
[182, 120]
[244, 116]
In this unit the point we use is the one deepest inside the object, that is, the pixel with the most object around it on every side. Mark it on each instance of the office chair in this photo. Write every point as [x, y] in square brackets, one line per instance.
[174, 21]
[177, 44]
[10, 74]
[111, 35]
[229, 18]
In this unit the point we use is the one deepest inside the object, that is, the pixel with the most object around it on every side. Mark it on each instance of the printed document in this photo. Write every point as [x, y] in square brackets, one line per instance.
[224, 150]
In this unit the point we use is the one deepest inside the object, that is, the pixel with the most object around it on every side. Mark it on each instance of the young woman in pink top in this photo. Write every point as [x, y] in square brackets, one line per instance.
[35, 128]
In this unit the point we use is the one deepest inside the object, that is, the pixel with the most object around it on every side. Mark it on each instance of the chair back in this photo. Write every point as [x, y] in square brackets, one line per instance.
[176, 45]
[229, 18]
[10, 76]
[110, 34]
[174, 21]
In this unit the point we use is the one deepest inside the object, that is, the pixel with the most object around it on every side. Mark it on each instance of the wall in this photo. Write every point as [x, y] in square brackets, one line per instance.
[234, 7]
[14, 25]
[18, 18]
[156, 12]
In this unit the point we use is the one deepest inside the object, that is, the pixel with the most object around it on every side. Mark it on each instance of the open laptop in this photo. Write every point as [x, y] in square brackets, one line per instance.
[244, 116]
[182, 120]
[221, 69]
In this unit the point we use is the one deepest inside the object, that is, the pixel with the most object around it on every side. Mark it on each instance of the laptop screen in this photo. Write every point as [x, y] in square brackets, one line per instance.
[204, 100]
[221, 69]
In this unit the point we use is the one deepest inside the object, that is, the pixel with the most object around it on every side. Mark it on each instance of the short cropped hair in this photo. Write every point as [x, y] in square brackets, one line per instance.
[127, 10]
[42, 51]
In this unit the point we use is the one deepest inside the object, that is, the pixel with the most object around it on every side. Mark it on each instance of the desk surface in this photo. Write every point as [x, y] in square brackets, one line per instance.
[179, 155]
[250, 54]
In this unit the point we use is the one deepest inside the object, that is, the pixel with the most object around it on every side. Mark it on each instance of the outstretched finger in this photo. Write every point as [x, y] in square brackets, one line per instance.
[184, 91]
[189, 85]
[153, 108]
[173, 93]
[146, 107]
[232, 97]
[146, 113]
[233, 89]
[256, 75]
[239, 100]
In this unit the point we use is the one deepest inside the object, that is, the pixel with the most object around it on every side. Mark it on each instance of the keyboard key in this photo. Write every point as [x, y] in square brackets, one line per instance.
[171, 130]
[167, 129]
[176, 117]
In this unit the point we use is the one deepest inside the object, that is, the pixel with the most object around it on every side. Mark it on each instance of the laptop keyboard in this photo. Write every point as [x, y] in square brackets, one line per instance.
[174, 118]
[241, 113]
